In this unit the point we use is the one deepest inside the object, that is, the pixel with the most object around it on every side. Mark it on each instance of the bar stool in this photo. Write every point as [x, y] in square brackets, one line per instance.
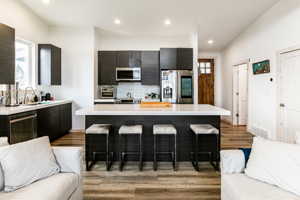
[93, 134]
[131, 130]
[165, 129]
[204, 129]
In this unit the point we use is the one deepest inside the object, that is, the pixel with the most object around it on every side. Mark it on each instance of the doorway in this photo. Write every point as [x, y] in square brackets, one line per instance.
[206, 81]
[240, 94]
[288, 97]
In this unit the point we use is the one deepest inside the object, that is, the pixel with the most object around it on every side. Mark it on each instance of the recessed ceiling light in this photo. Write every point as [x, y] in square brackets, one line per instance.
[167, 22]
[117, 21]
[210, 41]
[46, 1]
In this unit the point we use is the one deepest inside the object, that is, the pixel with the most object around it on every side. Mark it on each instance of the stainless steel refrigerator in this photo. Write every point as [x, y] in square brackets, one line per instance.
[177, 86]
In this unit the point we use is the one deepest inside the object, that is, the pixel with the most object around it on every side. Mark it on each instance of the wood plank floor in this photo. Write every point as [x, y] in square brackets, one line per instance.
[163, 184]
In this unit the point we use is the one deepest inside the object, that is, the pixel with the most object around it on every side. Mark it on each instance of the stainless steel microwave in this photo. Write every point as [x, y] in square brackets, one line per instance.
[128, 74]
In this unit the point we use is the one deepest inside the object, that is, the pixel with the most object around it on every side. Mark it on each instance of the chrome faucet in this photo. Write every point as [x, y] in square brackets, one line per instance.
[25, 94]
[129, 95]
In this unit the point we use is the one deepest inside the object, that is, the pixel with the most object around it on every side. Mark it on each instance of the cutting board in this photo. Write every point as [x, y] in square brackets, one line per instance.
[155, 104]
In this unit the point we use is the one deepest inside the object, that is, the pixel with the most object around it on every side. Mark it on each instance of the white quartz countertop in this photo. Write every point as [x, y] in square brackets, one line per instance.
[25, 108]
[135, 109]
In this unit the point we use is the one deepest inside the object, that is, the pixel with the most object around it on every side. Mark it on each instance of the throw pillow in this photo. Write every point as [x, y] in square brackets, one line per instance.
[276, 163]
[27, 162]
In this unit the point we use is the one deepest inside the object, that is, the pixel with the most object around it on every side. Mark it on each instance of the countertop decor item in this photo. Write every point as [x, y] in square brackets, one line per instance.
[155, 104]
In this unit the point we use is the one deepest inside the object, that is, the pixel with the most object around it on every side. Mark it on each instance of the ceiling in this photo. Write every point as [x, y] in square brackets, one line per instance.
[219, 20]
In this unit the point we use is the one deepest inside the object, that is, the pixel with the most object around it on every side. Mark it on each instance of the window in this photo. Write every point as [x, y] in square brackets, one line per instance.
[25, 70]
[204, 67]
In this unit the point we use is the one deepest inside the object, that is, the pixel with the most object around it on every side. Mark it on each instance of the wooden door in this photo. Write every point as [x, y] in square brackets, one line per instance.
[206, 79]
[289, 100]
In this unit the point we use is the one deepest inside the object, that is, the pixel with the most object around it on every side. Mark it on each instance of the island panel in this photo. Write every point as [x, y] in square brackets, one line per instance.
[184, 135]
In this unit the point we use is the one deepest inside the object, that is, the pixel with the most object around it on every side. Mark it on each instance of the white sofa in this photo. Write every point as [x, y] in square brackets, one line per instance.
[67, 185]
[235, 185]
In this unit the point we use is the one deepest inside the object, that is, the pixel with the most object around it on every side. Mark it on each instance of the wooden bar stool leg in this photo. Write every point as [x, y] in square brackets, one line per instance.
[218, 153]
[175, 152]
[141, 153]
[120, 153]
[107, 152]
[87, 165]
[87, 154]
[154, 154]
[197, 153]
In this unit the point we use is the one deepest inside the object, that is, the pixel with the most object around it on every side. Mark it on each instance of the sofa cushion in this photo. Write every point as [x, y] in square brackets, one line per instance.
[276, 163]
[57, 187]
[3, 142]
[242, 187]
[27, 162]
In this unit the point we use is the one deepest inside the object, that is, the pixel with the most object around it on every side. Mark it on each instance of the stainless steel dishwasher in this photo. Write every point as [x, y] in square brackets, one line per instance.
[22, 127]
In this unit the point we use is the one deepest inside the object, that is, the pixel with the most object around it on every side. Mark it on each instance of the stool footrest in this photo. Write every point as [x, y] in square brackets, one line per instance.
[164, 152]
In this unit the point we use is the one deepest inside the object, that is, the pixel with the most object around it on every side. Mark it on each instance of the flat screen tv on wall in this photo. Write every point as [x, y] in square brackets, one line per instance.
[261, 67]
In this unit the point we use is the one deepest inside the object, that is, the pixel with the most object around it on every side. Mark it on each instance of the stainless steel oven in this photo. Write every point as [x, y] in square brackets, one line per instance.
[108, 92]
[128, 74]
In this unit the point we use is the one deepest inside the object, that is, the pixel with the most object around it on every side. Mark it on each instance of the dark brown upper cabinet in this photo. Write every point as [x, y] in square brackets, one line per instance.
[150, 68]
[168, 58]
[7, 54]
[176, 58]
[107, 63]
[185, 58]
[129, 59]
[135, 59]
[123, 59]
[49, 64]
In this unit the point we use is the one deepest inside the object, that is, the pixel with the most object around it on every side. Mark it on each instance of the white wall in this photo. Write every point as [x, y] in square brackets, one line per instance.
[77, 68]
[217, 56]
[277, 29]
[194, 43]
[114, 41]
[27, 25]
[78, 48]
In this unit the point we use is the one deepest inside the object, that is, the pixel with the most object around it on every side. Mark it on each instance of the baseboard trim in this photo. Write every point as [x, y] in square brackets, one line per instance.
[76, 131]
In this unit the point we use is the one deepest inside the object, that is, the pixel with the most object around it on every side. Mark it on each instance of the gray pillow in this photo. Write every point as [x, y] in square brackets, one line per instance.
[27, 162]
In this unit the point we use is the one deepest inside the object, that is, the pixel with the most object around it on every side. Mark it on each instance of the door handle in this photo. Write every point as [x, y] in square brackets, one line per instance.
[282, 105]
[22, 119]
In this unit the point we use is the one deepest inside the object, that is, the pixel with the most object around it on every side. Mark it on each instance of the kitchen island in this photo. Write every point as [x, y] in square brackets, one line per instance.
[180, 115]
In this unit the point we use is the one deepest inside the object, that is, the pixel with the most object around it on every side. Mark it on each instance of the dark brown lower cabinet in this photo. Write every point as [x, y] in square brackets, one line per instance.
[55, 122]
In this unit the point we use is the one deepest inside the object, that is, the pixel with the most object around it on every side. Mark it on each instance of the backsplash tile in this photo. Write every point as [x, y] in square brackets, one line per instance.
[137, 90]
